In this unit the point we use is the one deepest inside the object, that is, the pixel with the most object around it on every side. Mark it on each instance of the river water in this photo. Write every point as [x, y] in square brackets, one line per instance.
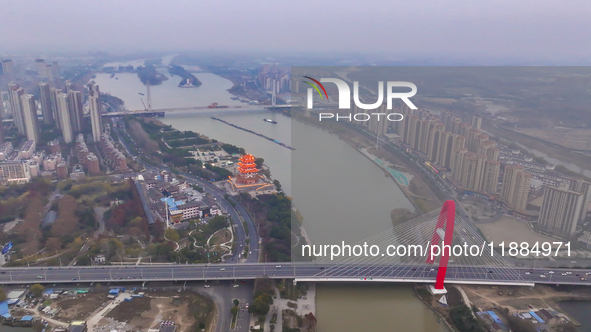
[372, 307]
[341, 194]
[579, 310]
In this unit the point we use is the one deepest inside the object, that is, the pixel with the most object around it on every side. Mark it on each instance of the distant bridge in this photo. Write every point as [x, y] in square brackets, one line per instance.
[162, 111]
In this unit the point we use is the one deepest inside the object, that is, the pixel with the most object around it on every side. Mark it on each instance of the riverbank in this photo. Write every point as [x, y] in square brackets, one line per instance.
[563, 155]
[441, 318]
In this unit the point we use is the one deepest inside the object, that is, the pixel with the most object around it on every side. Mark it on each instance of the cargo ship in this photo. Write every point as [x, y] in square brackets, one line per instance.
[270, 121]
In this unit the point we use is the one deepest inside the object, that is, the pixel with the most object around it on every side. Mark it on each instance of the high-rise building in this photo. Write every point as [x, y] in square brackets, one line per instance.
[30, 117]
[54, 93]
[472, 171]
[515, 187]
[477, 121]
[456, 162]
[49, 72]
[15, 93]
[472, 135]
[584, 187]
[56, 69]
[414, 131]
[562, 210]
[449, 143]
[429, 126]
[490, 176]
[435, 137]
[63, 114]
[8, 69]
[75, 107]
[94, 104]
[378, 124]
[455, 126]
[45, 101]
[41, 68]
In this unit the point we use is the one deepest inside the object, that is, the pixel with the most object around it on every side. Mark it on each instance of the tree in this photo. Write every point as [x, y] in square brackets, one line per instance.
[37, 290]
[172, 235]
[66, 222]
[84, 261]
[234, 310]
[259, 162]
[236, 302]
[260, 305]
[277, 184]
[53, 244]
[464, 320]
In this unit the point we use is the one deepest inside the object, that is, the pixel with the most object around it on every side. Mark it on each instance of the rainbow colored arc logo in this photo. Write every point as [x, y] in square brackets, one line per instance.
[316, 87]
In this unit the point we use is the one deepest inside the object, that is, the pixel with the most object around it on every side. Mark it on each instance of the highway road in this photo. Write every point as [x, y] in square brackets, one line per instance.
[298, 271]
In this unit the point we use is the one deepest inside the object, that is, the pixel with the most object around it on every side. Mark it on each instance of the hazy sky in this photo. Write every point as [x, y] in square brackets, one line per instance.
[541, 29]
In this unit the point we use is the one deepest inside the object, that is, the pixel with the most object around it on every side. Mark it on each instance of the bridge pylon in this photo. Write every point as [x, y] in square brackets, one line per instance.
[446, 218]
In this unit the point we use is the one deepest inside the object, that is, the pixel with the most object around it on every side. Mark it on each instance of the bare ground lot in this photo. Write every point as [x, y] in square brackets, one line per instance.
[522, 298]
[519, 232]
[184, 309]
[80, 307]
[221, 236]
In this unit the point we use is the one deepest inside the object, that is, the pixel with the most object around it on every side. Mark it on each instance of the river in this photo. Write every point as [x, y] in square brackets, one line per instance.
[342, 195]
[372, 307]
[569, 166]
[579, 310]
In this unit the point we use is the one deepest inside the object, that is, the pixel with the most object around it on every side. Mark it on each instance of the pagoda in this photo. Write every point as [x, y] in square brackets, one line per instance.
[247, 170]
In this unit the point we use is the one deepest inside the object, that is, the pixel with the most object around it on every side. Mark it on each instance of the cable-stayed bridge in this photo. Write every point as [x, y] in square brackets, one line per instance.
[400, 254]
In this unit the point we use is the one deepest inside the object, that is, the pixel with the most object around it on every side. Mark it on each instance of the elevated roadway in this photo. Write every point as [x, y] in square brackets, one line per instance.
[298, 271]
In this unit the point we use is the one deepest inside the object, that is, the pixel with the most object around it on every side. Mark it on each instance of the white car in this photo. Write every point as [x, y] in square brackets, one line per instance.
[569, 273]
[551, 272]
[235, 286]
[222, 269]
[278, 266]
[542, 276]
[527, 273]
[564, 274]
[206, 286]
